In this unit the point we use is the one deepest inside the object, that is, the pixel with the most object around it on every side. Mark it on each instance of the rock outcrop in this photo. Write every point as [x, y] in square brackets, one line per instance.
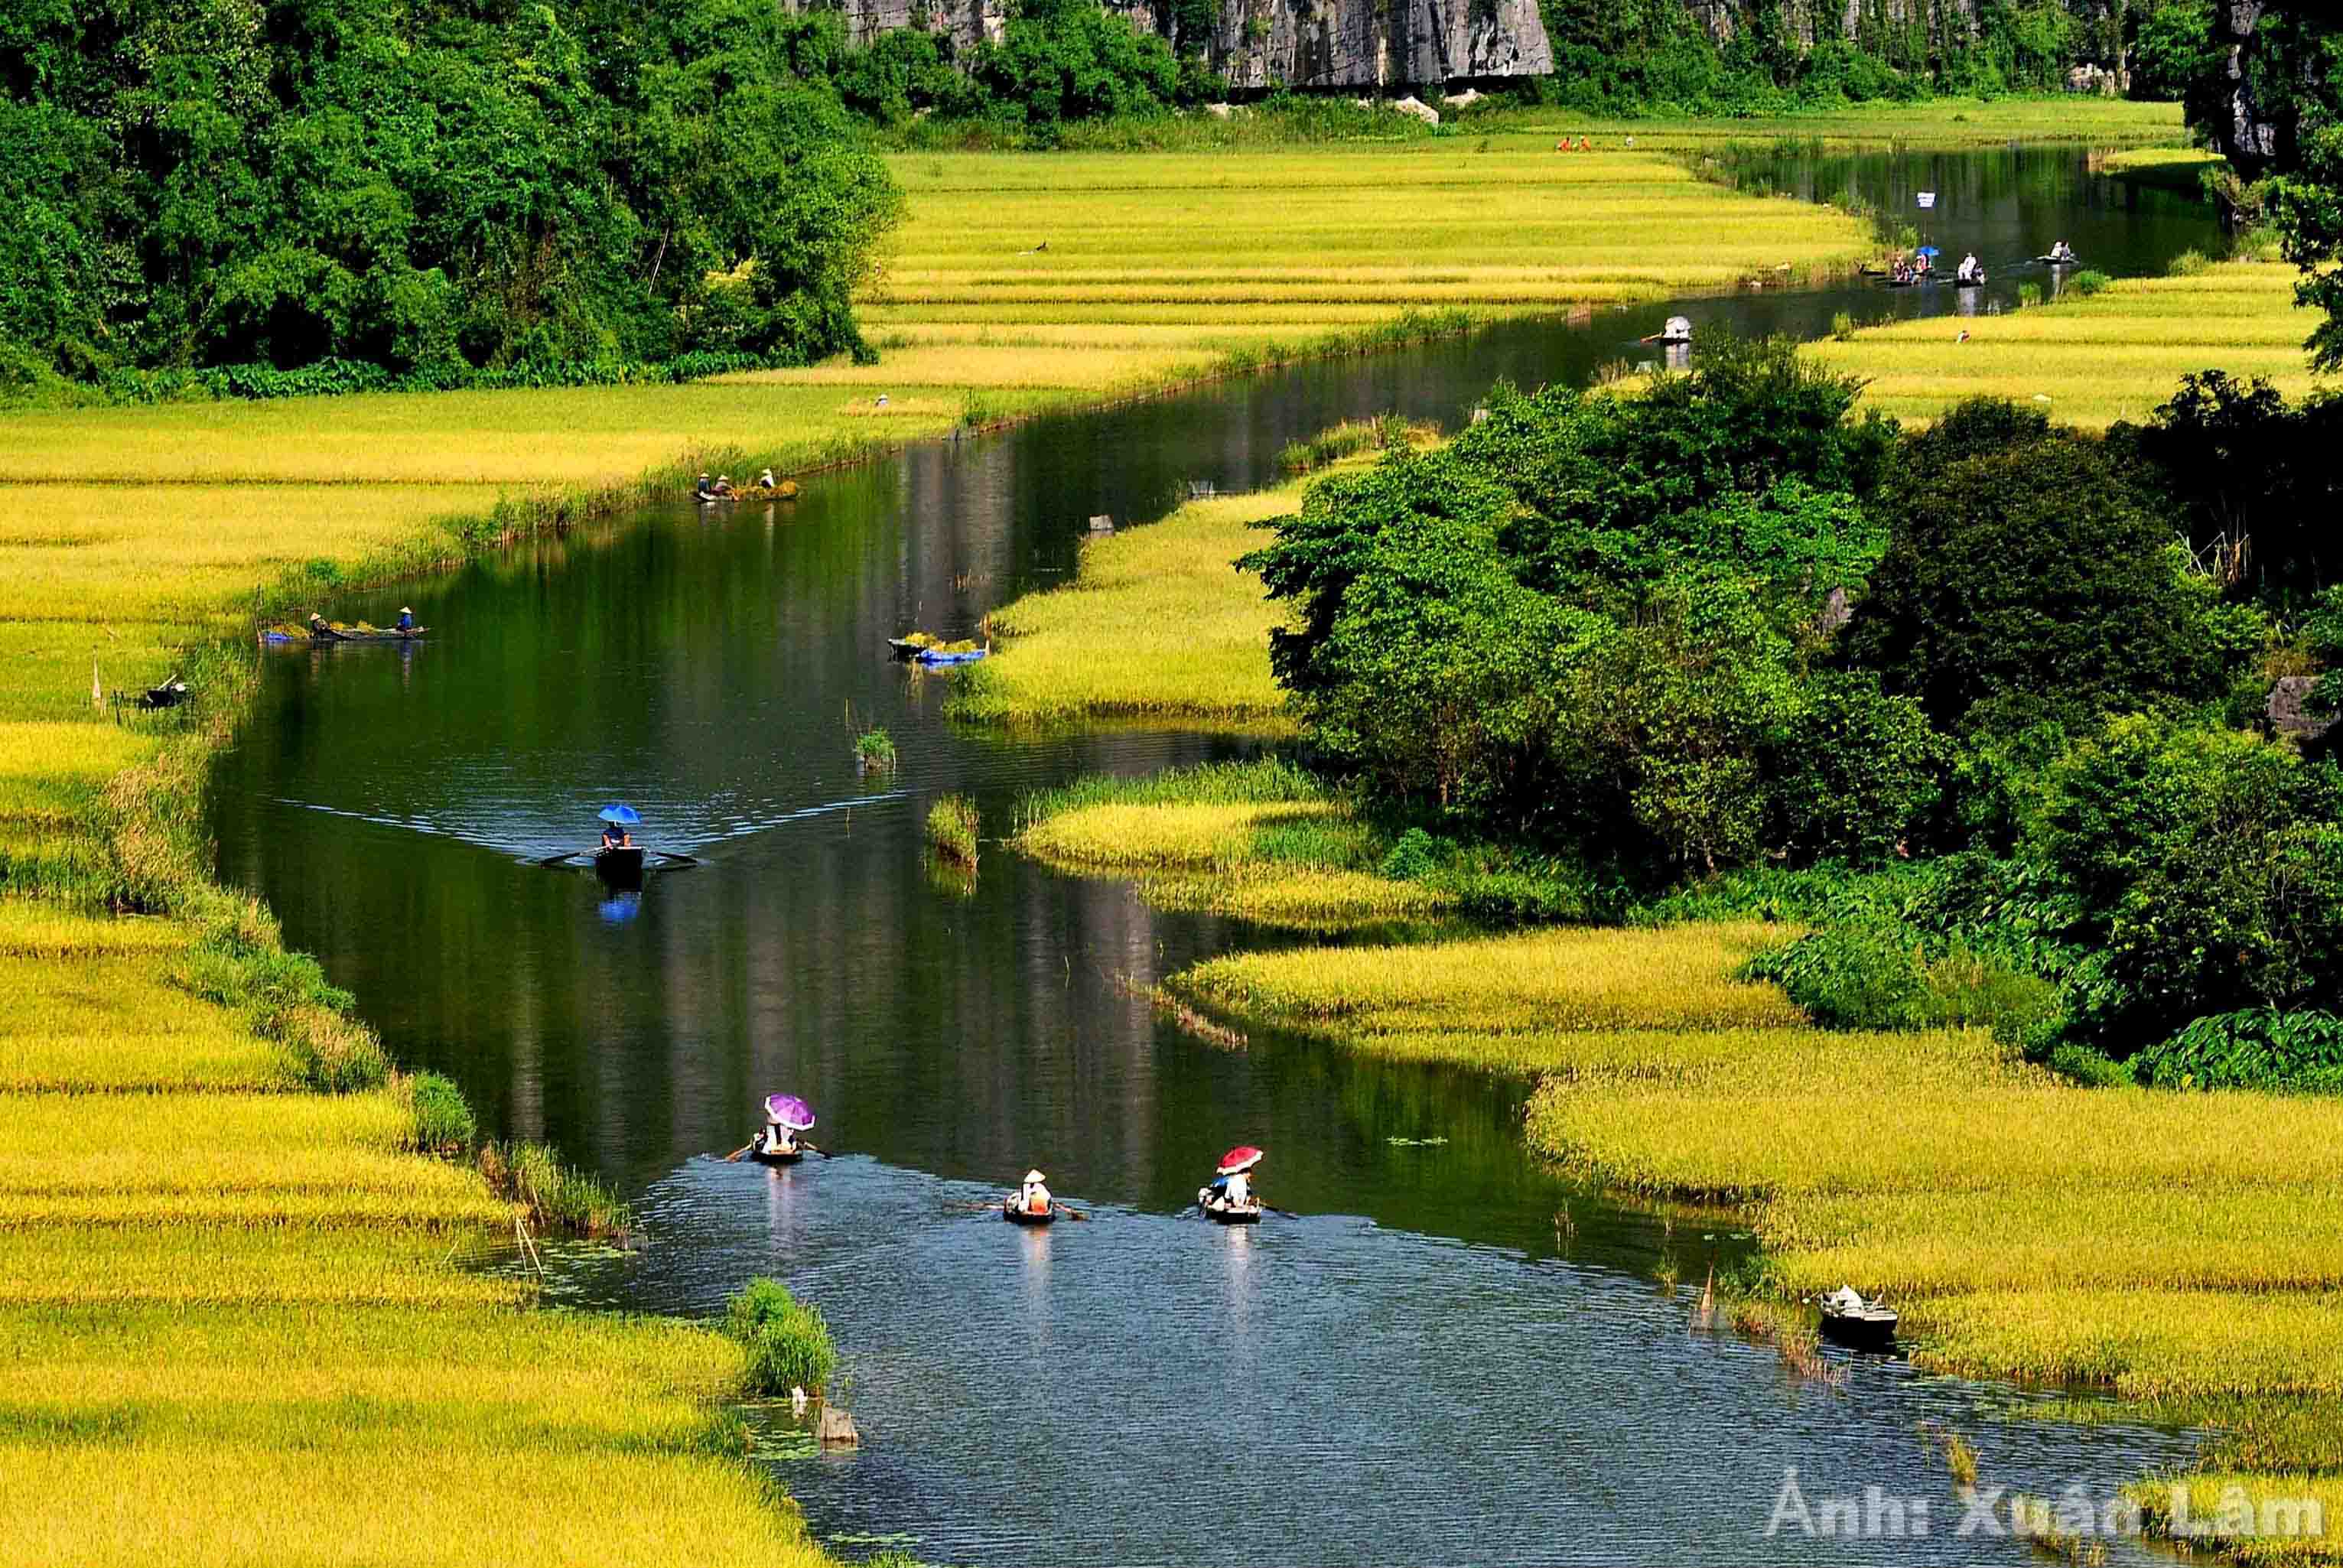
[1304, 44]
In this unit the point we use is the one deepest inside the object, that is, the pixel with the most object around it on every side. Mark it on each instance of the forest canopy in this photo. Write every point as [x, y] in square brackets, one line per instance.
[435, 189]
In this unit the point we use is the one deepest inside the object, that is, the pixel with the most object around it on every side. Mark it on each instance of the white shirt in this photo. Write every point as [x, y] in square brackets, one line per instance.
[1239, 1187]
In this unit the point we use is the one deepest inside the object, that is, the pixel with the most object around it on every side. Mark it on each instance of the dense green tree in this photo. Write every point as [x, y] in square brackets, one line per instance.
[2026, 580]
[2207, 869]
[430, 188]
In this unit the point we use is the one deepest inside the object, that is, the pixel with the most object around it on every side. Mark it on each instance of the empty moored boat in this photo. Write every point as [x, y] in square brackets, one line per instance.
[1857, 1323]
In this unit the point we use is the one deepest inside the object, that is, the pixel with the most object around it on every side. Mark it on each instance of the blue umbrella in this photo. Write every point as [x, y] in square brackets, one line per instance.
[1928, 250]
[623, 814]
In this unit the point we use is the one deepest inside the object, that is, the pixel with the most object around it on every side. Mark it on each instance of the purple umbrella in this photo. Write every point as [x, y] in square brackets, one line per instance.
[789, 1111]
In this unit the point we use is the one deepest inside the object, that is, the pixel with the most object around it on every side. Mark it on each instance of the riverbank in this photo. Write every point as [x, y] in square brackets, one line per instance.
[2169, 1246]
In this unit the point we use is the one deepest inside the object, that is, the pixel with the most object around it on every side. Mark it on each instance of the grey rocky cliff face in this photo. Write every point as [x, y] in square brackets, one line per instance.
[1395, 44]
[1260, 44]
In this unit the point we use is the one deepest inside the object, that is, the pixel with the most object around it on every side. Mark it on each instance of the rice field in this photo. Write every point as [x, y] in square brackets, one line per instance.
[1159, 266]
[2090, 362]
[237, 1306]
[2183, 1250]
[1158, 625]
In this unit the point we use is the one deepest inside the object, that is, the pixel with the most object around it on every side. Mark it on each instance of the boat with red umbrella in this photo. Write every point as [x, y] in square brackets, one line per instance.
[778, 1143]
[1229, 1197]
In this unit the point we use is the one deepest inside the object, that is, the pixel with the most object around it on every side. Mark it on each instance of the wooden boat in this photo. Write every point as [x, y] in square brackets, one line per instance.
[904, 648]
[1856, 1323]
[1015, 1215]
[170, 694]
[2059, 260]
[619, 863]
[764, 1156]
[381, 634]
[1977, 282]
[1224, 1212]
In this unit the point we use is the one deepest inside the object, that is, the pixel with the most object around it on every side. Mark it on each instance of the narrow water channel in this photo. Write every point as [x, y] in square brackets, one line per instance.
[1453, 1356]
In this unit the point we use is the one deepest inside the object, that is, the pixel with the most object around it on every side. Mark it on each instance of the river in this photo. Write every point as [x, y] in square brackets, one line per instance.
[1451, 1355]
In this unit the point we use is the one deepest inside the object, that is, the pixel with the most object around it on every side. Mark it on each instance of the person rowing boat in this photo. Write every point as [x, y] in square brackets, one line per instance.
[1229, 1197]
[781, 1141]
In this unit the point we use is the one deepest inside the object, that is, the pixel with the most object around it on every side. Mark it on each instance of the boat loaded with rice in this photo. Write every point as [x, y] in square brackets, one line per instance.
[327, 632]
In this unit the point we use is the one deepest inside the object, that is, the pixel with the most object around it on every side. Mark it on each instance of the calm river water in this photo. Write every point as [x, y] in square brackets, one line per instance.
[1452, 1356]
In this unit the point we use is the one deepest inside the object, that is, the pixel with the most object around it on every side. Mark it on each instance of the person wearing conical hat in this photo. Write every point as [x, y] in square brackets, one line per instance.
[406, 619]
[1034, 1196]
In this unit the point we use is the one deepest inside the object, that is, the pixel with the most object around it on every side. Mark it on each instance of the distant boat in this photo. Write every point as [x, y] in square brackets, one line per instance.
[1017, 1213]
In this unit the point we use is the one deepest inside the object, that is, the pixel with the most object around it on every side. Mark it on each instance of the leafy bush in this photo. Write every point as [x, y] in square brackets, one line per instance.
[2027, 580]
[2256, 1048]
[788, 1342]
[1882, 975]
[444, 1124]
[874, 750]
[2090, 281]
[1415, 857]
[2207, 873]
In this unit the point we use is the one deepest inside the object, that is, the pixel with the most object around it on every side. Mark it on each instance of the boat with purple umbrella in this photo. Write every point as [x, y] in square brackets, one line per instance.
[778, 1141]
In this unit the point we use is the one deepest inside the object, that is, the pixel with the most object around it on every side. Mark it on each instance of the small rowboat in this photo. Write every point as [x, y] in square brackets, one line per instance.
[935, 656]
[619, 863]
[1977, 282]
[331, 634]
[1016, 1215]
[1856, 1323]
[2059, 260]
[1224, 1212]
[765, 1156]
[904, 648]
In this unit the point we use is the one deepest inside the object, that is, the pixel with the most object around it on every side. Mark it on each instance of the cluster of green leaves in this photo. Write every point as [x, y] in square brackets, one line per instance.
[2031, 579]
[430, 189]
[1603, 633]
[2258, 1047]
[1056, 62]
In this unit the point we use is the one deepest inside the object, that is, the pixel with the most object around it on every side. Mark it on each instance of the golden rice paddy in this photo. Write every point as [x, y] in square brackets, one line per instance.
[1158, 624]
[236, 1323]
[2184, 1248]
[2090, 362]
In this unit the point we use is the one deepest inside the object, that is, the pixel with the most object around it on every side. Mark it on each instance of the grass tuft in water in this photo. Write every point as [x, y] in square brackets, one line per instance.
[952, 824]
[788, 1343]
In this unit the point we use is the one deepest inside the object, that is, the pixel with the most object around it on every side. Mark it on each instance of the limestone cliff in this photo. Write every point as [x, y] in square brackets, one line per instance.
[1304, 43]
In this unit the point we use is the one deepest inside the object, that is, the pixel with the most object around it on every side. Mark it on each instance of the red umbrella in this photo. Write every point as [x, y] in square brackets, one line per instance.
[1244, 1157]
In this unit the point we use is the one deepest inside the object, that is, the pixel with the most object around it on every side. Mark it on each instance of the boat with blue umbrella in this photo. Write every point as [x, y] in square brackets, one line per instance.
[618, 859]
